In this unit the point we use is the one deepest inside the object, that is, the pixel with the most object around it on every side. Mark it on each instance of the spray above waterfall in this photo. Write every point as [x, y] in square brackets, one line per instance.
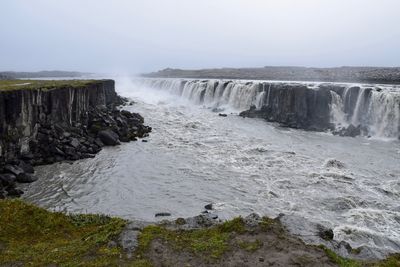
[366, 110]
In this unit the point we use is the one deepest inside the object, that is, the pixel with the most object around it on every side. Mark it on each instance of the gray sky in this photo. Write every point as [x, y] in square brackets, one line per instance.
[145, 35]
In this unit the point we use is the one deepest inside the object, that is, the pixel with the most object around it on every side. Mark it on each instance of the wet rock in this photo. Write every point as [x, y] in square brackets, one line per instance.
[74, 143]
[13, 169]
[26, 167]
[200, 221]
[13, 192]
[209, 206]
[7, 179]
[211, 216]
[128, 241]
[334, 163]
[109, 138]
[325, 233]
[252, 220]
[350, 131]
[98, 142]
[162, 214]
[26, 178]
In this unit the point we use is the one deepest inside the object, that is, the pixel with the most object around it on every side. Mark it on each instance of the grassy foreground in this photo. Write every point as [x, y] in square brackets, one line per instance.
[32, 236]
[10, 85]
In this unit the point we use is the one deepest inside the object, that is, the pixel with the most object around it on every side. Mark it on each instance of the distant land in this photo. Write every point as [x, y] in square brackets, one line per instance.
[338, 74]
[40, 74]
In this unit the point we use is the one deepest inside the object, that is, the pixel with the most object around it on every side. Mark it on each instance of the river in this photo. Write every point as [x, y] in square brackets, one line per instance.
[194, 157]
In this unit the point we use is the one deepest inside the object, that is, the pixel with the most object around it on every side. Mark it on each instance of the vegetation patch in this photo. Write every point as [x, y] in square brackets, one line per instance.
[340, 261]
[209, 242]
[250, 246]
[33, 236]
[10, 85]
[391, 261]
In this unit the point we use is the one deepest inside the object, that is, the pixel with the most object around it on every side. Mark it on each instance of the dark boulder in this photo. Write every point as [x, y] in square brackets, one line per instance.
[209, 206]
[351, 131]
[75, 143]
[26, 167]
[325, 233]
[26, 178]
[13, 192]
[13, 169]
[162, 214]
[7, 179]
[109, 138]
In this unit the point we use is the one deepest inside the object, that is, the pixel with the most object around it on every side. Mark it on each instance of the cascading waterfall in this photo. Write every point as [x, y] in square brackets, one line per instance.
[375, 110]
[211, 93]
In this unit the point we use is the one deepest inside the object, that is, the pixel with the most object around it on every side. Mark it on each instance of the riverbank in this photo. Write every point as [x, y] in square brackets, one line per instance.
[43, 122]
[57, 239]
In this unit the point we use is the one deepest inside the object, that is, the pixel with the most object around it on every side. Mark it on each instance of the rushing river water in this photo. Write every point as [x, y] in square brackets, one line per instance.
[194, 157]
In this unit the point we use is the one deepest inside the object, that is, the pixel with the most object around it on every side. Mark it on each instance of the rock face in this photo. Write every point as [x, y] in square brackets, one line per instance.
[295, 106]
[40, 126]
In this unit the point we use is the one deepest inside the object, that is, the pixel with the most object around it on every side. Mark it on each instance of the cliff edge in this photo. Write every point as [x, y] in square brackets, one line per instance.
[42, 122]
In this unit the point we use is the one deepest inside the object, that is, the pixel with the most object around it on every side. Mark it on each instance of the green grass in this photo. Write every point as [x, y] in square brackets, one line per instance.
[340, 261]
[10, 85]
[35, 237]
[209, 242]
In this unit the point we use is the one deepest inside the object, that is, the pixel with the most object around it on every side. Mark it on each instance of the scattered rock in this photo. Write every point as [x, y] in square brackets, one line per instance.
[162, 214]
[252, 220]
[351, 131]
[13, 169]
[325, 233]
[209, 206]
[75, 143]
[202, 220]
[334, 163]
[109, 138]
[7, 179]
[180, 221]
[26, 167]
[14, 192]
[26, 178]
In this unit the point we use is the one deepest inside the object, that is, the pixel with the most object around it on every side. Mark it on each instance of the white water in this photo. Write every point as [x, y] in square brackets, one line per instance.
[377, 111]
[195, 157]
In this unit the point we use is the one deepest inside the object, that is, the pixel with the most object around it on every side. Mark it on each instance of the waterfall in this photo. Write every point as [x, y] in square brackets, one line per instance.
[338, 116]
[239, 96]
[375, 110]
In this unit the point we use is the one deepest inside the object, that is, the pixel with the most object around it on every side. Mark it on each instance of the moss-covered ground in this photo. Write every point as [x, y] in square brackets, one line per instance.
[9, 85]
[32, 236]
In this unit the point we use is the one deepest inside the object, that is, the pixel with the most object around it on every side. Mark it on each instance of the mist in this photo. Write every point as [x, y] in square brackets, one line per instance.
[142, 36]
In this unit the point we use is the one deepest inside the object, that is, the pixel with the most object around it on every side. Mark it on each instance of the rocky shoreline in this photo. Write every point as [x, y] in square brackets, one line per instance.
[66, 122]
[99, 240]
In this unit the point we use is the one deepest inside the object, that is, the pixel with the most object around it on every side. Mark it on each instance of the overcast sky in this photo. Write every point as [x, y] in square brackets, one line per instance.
[146, 35]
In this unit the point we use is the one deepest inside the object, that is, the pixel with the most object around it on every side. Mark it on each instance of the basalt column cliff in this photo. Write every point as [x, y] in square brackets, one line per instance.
[42, 122]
